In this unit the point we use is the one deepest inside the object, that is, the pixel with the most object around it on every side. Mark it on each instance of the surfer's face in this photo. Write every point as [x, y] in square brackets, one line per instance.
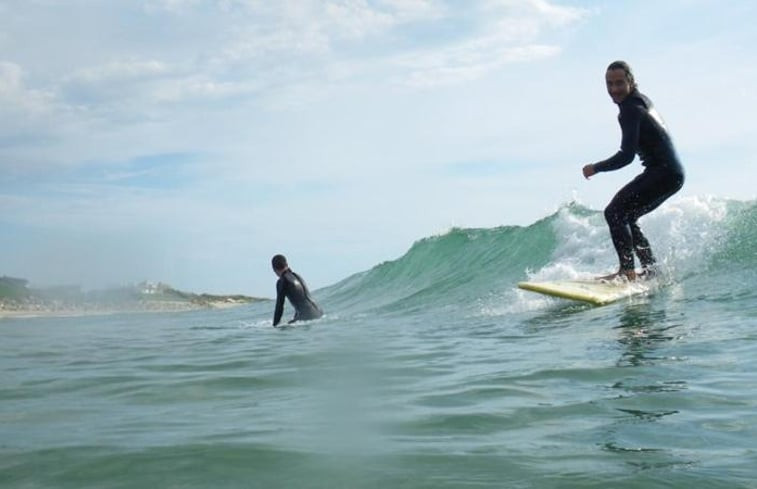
[618, 85]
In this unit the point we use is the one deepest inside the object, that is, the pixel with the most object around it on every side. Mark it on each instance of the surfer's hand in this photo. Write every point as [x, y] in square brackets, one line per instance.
[589, 171]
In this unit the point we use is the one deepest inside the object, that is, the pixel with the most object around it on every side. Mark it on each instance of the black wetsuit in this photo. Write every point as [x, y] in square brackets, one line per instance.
[643, 133]
[291, 286]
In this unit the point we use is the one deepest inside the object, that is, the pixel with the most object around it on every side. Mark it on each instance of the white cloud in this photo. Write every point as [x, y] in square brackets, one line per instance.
[173, 6]
[285, 49]
[509, 34]
[467, 62]
[356, 19]
[408, 11]
[537, 11]
[17, 98]
[121, 71]
[315, 28]
[30, 121]
[130, 86]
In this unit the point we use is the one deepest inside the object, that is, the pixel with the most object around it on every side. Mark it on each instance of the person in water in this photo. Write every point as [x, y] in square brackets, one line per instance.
[645, 134]
[292, 286]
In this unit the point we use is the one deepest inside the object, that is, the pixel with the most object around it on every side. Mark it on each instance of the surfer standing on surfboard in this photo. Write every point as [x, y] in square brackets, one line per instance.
[645, 134]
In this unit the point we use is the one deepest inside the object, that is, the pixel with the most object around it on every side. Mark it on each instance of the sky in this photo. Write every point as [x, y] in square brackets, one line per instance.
[188, 141]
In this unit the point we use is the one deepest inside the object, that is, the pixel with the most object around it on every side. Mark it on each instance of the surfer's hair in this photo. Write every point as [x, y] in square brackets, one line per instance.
[279, 262]
[622, 65]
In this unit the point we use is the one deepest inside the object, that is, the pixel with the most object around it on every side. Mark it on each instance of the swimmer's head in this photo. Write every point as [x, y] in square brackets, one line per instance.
[279, 262]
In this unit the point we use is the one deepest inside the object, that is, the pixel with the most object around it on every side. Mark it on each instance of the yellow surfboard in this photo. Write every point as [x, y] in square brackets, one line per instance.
[597, 292]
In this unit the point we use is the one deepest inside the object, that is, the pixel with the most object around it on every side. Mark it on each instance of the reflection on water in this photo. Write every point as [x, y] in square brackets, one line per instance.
[642, 330]
[647, 408]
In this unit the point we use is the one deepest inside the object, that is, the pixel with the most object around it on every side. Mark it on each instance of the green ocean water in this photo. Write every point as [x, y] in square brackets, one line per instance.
[429, 371]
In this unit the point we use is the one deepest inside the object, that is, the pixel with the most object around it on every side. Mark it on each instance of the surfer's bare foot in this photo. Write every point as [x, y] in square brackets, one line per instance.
[629, 275]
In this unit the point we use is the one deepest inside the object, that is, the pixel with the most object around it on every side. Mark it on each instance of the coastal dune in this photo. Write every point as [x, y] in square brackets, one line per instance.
[18, 300]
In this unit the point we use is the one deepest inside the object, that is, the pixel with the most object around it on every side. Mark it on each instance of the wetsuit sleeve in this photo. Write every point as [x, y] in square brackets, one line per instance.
[280, 296]
[630, 122]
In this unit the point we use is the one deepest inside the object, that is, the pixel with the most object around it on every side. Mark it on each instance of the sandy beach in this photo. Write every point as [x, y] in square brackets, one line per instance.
[31, 310]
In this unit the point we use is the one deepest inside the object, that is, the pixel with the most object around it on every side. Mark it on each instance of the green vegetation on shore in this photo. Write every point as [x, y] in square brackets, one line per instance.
[16, 295]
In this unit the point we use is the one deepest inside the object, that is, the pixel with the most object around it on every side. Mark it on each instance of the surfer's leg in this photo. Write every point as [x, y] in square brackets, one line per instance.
[642, 247]
[652, 188]
[618, 219]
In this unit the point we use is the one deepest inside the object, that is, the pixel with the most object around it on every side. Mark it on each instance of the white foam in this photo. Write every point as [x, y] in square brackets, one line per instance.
[681, 233]
[581, 249]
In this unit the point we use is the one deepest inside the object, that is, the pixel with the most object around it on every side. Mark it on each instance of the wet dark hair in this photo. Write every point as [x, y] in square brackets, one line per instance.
[279, 262]
[622, 65]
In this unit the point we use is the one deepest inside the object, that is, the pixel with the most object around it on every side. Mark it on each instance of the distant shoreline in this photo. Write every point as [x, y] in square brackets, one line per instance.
[14, 310]
[17, 300]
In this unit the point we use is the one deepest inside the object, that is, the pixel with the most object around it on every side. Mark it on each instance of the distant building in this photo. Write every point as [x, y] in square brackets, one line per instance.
[151, 288]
